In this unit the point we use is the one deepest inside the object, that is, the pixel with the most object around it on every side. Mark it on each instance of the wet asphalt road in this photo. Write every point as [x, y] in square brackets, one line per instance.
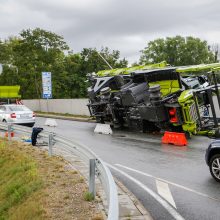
[178, 174]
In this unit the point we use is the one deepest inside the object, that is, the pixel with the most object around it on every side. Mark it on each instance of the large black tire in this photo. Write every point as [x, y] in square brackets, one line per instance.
[214, 167]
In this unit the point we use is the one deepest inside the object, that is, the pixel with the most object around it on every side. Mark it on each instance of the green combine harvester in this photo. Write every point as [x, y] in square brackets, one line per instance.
[158, 97]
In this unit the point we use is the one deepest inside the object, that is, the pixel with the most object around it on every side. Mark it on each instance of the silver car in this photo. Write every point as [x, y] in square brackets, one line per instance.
[17, 114]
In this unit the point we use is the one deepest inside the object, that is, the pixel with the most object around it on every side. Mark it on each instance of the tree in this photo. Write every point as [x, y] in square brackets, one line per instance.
[4, 52]
[38, 50]
[31, 53]
[215, 49]
[177, 51]
[75, 79]
[92, 61]
[10, 72]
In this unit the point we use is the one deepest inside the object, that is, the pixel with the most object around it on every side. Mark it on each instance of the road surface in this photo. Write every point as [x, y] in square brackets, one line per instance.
[171, 182]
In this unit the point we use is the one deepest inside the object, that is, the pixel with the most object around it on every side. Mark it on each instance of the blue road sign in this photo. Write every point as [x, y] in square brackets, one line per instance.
[47, 85]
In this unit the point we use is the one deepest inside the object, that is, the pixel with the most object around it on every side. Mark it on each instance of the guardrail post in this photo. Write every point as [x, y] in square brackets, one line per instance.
[51, 142]
[92, 176]
[9, 131]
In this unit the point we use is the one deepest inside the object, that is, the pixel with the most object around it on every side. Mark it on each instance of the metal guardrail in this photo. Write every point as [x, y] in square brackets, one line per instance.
[96, 166]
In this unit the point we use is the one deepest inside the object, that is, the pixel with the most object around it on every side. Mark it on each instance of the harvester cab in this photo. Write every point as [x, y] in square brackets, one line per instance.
[201, 104]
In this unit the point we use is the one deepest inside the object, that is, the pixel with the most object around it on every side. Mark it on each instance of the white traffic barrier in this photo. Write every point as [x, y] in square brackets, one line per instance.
[103, 129]
[50, 122]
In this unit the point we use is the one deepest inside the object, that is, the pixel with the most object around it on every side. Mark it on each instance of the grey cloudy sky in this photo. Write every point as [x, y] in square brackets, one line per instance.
[126, 25]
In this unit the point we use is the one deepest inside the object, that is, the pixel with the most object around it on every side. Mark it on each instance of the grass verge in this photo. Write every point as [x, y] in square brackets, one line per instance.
[64, 114]
[36, 186]
[20, 185]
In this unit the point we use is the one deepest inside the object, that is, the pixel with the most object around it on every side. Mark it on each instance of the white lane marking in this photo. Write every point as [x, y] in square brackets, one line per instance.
[164, 191]
[163, 202]
[166, 181]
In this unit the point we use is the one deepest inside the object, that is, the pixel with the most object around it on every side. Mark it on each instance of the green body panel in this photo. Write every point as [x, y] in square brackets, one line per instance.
[198, 68]
[210, 133]
[181, 69]
[9, 92]
[126, 71]
[187, 103]
[217, 69]
[185, 96]
[167, 86]
[190, 127]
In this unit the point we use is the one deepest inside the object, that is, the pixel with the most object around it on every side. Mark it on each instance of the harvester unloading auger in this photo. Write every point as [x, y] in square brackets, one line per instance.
[157, 97]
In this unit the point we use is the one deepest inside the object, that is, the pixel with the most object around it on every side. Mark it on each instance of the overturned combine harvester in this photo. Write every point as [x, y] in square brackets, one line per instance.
[157, 98]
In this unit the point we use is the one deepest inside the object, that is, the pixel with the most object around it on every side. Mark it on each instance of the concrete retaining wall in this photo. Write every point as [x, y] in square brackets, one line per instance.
[71, 106]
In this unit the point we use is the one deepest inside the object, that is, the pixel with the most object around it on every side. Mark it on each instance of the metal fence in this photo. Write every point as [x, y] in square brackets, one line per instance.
[97, 167]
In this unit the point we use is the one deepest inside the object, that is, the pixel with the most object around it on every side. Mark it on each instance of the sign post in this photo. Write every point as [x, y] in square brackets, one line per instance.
[47, 86]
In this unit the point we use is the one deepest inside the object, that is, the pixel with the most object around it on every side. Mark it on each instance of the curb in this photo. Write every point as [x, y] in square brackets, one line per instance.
[69, 118]
[144, 214]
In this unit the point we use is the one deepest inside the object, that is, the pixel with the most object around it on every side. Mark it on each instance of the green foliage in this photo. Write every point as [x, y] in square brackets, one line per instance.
[177, 51]
[18, 181]
[35, 51]
[88, 196]
[92, 62]
[38, 50]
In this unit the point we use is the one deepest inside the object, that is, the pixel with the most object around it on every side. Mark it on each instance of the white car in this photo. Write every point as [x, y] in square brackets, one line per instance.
[17, 114]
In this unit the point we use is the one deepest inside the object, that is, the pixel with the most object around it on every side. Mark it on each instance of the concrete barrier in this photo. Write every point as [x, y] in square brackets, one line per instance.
[70, 106]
